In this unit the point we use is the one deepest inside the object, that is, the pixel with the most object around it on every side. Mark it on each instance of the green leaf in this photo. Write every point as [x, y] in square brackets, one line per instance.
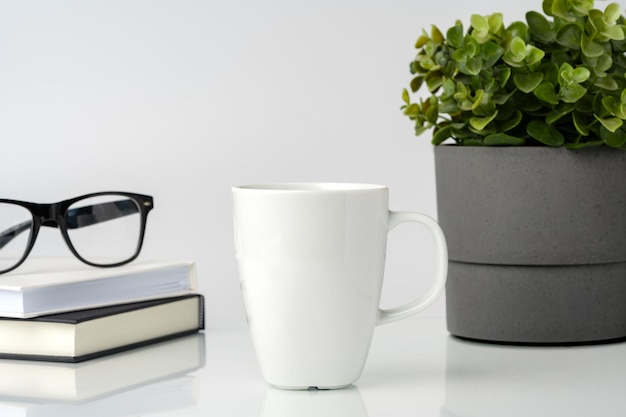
[471, 46]
[527, 82]
[546, 92]
[511, 122]
[612, 12]
[570, 36]
[491, 52]
[540, 27]
[448, 106]
[501, 97]
[561, 8]
[611, 123]
[606, 83]
[533, 55]
[480, 27]
[602, 64]
[581, 74]
[449, 88]
[566, 73]
[479, 23]
[620, 111]
[412, 110]
[545, 133]
[436, 34]
[609, 103]
[550, 72]
[598, 107]
[591, 47]
[503, 76]
[460, 56]
[516, 53]
[431, 112]
[422, 40]
[416, 83]
[517, 29]
[495, 21]
[581, 123]
[615, 139]
[433, 81]
[430, 48]
[529, 104]
[426, 62]
[572, 93]
[479, 123]
[419, 130]
[478, 98]
[559, 112]
[502, 139]
[466, 105]
[614, 32]
[582, 145]
[405, 96]
[473, 66]
[441, 134]
[547, 7]
[582, 7]
[454, 36]
[595, 23]
[585, 104]
[472, 142]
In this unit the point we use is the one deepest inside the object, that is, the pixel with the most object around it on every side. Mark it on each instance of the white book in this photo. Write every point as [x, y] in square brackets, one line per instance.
[46, 286]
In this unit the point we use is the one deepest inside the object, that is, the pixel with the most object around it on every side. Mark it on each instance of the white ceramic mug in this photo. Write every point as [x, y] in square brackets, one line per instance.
[311, 259]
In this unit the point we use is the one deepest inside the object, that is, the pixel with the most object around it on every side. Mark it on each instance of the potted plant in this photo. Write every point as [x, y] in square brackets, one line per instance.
[530, 185]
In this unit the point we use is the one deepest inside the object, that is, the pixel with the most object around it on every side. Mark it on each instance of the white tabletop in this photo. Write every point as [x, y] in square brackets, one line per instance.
[414, 369]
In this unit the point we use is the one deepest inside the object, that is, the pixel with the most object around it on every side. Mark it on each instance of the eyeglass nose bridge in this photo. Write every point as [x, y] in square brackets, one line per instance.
[49, 215]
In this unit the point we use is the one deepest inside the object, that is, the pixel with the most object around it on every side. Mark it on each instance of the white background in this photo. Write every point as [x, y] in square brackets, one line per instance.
[183, 99]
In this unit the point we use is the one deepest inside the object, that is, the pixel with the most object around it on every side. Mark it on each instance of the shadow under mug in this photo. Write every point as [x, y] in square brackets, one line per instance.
[311, 259]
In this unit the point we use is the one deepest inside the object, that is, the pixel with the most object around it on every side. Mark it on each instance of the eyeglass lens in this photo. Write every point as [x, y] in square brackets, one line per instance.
[16, 224]
[104, 229]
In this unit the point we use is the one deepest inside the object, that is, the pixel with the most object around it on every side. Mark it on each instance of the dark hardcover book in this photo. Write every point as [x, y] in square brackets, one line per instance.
[80, 335]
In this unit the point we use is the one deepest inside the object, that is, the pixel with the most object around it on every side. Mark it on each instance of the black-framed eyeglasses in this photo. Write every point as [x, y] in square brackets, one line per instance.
[101, 229]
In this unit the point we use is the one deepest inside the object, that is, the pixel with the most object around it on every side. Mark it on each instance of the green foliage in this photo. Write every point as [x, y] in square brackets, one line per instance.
[557, 79]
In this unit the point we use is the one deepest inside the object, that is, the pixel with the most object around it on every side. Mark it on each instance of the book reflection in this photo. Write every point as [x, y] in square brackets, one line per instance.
[139, 381]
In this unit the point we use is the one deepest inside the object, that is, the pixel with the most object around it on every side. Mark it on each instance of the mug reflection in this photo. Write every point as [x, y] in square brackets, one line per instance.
[346, 402]
[485, 380]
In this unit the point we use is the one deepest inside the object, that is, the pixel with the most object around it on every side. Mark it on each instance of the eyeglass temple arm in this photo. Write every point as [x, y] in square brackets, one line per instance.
[11, 233]
[78, 217]
[98, 213]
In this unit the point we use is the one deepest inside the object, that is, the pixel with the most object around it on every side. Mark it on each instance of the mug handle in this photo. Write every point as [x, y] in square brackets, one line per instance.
[393, 314]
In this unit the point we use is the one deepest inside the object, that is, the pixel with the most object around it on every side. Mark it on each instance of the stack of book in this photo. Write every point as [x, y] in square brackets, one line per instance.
[52, 311]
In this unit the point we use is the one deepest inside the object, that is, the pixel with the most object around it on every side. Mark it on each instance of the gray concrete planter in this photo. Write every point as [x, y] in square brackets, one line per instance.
[537, 243]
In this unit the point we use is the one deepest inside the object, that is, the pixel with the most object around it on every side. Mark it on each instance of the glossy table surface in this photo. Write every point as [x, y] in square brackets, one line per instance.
[415, 368]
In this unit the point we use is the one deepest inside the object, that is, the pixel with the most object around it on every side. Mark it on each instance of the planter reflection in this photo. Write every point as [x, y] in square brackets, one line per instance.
[484, 380]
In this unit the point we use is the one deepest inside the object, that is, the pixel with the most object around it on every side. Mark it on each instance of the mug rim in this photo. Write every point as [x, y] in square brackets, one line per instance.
[311, 187]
